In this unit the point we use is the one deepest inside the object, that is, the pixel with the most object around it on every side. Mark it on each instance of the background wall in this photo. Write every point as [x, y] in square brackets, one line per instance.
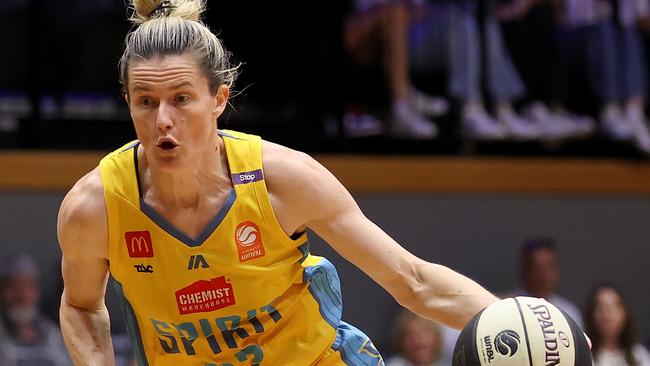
[478, 235]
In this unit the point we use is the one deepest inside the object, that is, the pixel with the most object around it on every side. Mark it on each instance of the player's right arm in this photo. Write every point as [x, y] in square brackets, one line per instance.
[82, 229]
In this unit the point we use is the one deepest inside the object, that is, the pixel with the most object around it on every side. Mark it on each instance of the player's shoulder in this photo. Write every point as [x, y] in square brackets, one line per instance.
[84, 205]
[287, 165]
[301, 190]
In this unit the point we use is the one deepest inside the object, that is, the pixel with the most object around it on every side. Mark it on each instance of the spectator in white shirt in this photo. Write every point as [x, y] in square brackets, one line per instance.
[540, 275]
[27, 338]
[611, 329]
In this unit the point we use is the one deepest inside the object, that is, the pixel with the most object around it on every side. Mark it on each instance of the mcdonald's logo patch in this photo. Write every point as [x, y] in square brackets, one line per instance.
[139, 244]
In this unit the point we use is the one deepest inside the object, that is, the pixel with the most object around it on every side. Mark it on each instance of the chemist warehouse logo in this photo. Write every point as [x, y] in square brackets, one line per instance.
[205, 296]
[249, 241]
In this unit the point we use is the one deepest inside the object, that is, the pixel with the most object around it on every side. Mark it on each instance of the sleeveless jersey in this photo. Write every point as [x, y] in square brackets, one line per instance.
[241, 293]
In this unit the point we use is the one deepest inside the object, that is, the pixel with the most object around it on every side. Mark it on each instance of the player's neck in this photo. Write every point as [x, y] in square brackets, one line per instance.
[610, 343]
[538, 292]
[184, 188]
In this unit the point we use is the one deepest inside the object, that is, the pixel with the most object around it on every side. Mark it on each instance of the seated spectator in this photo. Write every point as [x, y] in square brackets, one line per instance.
[376, 32]
[539, 273]
[27, 338]
[529, 29]
[447, 36]
[611, 329]
[603, 39]
[539, 276]
[416, 341]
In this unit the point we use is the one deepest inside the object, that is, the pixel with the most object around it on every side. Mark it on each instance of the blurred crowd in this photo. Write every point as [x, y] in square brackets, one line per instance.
[517, 70]
[606, 318]
[29, 336]
[29, 330]
[549, 71]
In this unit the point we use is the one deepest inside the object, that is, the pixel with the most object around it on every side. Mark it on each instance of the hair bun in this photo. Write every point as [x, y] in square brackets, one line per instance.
[144, 10]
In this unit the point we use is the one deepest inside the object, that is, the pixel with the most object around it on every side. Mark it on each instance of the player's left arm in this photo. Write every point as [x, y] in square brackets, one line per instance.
[304, 193]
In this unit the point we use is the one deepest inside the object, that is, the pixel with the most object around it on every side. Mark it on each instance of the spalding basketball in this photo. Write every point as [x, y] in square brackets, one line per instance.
[522, 331]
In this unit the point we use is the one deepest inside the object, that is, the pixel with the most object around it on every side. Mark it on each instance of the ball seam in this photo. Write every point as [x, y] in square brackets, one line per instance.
[523, 323]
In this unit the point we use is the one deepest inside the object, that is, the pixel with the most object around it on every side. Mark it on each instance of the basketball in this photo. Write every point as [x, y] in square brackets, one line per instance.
[522, 331]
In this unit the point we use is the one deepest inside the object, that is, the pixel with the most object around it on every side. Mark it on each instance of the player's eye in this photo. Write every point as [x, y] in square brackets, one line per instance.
[146, 101]
[182, 98]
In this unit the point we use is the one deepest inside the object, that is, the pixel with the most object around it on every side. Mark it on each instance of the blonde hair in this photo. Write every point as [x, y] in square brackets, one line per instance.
[399, 331]
[174, 27]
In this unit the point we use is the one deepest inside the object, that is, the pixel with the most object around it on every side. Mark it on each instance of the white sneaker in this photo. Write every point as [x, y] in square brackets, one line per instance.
[407, 123]
[552, 127]
[428, 105]
[519, 128]
[9, 123]
[359, 124]
[478, 125]
[639, 126]
[583, 126]
[615, 125]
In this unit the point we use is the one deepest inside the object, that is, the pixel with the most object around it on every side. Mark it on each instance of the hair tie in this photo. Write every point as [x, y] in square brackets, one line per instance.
[163, 9]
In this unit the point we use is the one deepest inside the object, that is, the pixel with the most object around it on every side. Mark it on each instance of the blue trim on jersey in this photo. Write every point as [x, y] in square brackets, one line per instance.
[225, 134]
[134, 144]
[355, 347]
[304, 249]
[339, 338]
[137, 169]
[131, 326]
[181, 236]
[325, 287]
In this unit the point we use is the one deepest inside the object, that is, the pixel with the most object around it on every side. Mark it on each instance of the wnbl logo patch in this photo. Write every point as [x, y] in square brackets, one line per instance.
[249, 241]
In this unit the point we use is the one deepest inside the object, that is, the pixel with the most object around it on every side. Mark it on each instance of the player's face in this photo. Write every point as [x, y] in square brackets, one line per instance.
[421, 344]
[19, 297]
[19, 292]
[541, 272]
[173, 110]
[609, 313]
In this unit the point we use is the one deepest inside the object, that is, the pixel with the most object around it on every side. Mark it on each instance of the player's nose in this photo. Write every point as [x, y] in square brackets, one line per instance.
[165, 117]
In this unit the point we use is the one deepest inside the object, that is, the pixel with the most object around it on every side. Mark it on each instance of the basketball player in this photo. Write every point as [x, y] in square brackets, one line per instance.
[204, 230]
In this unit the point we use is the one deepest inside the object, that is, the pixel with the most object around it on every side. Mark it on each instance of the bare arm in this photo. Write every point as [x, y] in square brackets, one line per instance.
[83, 236]
[304, 193]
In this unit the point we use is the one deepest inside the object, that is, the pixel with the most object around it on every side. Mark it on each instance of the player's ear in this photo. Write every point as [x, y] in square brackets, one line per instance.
[221, 99]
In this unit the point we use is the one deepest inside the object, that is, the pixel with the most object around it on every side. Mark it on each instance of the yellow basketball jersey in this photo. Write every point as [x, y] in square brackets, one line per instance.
[241, 293]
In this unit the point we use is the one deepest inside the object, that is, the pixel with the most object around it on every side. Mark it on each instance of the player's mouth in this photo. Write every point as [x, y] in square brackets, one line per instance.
[166, 144]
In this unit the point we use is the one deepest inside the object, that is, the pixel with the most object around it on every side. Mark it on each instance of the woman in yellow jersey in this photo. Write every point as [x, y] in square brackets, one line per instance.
[204, 230]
